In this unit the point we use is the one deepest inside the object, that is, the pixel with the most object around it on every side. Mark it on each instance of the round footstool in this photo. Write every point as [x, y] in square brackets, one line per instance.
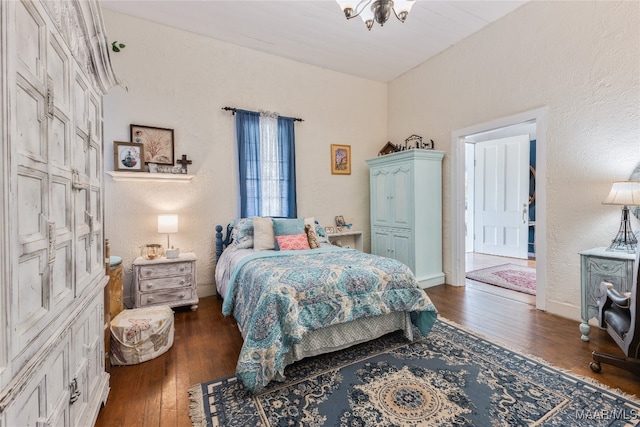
[141, 334]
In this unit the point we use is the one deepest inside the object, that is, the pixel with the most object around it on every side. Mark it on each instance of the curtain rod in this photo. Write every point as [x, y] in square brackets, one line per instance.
[233, 112]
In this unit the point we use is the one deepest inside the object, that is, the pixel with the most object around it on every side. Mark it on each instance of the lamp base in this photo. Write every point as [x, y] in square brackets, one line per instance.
[625, 240]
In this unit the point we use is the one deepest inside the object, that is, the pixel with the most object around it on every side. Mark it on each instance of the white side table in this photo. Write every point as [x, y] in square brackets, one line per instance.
[600, 265]
[355, 236]
[166, 281]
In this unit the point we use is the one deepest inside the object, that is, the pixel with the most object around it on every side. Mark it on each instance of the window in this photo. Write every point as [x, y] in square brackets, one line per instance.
[266, 149]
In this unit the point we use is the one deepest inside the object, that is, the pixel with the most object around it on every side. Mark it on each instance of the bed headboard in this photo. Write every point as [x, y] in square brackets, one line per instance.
[221, 242]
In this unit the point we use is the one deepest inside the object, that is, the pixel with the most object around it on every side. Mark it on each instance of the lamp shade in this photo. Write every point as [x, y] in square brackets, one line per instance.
[625, 193]
[168, 223]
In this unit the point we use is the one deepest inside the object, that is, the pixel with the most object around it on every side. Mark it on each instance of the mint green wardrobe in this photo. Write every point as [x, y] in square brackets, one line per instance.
[406, 211]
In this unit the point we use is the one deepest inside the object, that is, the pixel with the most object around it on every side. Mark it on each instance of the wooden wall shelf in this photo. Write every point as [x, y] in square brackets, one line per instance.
[150, 177]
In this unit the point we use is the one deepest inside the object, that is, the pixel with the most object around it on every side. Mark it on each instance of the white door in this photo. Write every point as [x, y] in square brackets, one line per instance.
[502, 196]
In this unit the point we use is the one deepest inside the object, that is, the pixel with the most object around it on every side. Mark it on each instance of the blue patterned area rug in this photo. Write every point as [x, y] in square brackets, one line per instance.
[450, 378]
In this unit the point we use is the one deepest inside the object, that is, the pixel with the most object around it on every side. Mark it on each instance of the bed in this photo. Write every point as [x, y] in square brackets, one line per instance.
[295, 295]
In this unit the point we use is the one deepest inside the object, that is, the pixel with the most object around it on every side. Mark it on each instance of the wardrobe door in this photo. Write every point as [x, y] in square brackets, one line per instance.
[31, 220]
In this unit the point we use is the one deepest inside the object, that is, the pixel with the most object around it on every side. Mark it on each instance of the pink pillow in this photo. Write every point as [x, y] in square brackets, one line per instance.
[293, 242]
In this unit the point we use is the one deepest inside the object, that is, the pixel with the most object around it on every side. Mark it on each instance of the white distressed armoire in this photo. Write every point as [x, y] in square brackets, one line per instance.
[406, 211]
[54, 68]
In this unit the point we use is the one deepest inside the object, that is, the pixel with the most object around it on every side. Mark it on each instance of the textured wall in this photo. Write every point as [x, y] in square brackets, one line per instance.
[582, 61]
[180, 80]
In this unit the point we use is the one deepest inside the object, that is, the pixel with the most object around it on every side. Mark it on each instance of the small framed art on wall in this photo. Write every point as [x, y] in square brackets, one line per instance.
[158, 143]
[340, 159]
[128, 156]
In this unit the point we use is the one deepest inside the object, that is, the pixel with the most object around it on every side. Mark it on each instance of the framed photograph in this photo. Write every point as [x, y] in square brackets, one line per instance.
[340, 159]
[329, 230]
[158, 143]
[340, 221]
[128, 156]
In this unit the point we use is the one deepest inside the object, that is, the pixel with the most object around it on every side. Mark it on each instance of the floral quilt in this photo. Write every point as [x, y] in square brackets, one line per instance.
[278, 296]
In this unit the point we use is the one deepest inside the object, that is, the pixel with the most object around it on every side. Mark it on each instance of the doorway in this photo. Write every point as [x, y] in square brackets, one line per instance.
[534, 124]
[499, 213]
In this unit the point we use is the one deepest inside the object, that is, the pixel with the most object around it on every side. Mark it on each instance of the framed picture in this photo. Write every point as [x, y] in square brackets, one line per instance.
[329, 230]
[340, 221]
[158, 143]
[340, 159]
[128, 156]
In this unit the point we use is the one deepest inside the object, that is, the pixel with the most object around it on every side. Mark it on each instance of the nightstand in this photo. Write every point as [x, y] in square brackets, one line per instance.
[600, 265]
[166, 281]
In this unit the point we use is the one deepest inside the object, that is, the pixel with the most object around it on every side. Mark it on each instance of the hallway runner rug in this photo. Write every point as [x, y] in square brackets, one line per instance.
[510, 276]
[450, 378]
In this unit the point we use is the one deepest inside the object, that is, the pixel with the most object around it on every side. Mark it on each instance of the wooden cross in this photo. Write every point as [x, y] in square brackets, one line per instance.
[184, 162]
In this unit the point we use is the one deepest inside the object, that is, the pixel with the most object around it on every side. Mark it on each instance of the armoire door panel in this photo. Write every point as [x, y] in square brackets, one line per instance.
[61, 208]
[80, 106]
[62, 275]
[402, 249]
[32, 210]
[58, 72]
[400, 190]
[94, 160]
[31, 297]
[380, 198]
[83, 263]
[81, 156]
[95, 121]
[30, 122]
[31, 33]
[59, 133]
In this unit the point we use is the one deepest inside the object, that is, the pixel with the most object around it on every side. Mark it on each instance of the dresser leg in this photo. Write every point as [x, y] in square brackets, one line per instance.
[194, 307]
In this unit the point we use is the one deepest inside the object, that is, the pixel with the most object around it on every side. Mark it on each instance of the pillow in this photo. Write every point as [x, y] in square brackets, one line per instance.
[243, 233]
[322, 235]
[312, 237]
[293, 242]
[287, 227]
[263, 238]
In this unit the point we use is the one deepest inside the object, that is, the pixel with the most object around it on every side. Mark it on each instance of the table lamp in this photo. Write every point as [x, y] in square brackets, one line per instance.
[624, 193]
[168, 223]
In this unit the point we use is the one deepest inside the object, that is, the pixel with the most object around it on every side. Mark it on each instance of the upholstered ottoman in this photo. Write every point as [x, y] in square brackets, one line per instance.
[141, 334]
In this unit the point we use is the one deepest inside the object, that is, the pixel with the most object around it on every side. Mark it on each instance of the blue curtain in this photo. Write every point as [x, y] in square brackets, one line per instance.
[287, 154]
[248, 138]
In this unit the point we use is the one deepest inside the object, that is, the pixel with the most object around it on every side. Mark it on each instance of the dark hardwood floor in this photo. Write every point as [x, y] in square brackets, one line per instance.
[206, 346]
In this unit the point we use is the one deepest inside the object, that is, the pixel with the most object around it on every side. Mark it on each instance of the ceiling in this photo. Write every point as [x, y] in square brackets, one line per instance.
[317, 33]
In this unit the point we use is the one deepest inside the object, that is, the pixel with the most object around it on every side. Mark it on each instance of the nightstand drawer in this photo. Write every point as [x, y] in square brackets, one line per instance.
[159, 283]
[609, 270]
[162, 270]
[174, 297]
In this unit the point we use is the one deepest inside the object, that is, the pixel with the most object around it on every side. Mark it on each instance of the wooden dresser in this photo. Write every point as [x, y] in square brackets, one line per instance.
[166, 281]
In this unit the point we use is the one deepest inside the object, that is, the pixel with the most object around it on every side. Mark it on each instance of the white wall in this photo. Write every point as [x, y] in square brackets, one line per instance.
[582, 61]
[180, 80]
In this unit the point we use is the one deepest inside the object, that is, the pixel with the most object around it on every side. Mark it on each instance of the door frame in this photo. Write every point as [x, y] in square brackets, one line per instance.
[539, 116]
